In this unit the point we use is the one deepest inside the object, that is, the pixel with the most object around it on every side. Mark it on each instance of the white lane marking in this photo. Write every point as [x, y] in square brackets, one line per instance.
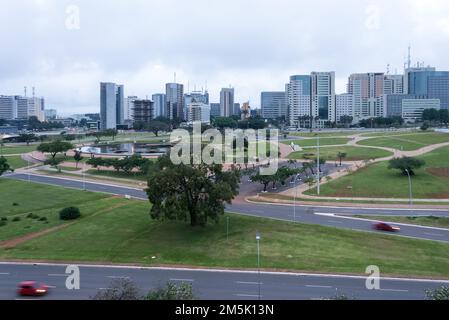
[183, 280]
[4, 273]
[57, 275]
[315, 286]
[247, 282]
[118, 277]
[393, 290]
[235, 271]
[246, 295]
[52, 287]
[345, 216]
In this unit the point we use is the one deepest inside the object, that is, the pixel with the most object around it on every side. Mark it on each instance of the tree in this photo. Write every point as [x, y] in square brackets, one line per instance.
[157, 126]
[27, 137]
[431, 115]
[425, 126]
[171, 291]
[440, 293]
[120, 289]
[54, 162]
[444, 116]
[78, 157]
[346, 120]
[406, 164]
[263, 179]
[110, 133]
[96, 163]
[4, 166]
[198, 192]
[224, 123]
[341, 156]
[55, 147]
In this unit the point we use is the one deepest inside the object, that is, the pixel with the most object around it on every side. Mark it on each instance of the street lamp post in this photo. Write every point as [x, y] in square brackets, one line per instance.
[227, 228]
[318, 166]
[296, 196]
[258, 237]
[84, 175]
[410, 186]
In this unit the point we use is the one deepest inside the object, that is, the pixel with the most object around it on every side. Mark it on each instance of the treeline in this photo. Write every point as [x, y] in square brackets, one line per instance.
[381, 122]
[127, 164]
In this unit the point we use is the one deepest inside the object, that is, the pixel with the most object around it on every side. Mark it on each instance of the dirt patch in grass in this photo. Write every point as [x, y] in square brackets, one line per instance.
[440, 172]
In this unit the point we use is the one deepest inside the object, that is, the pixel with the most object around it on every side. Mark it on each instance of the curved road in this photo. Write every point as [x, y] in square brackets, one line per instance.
[325, 216]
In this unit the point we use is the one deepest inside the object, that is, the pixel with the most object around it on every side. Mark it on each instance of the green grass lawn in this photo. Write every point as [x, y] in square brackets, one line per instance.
[377, 181]
[323, 142]
[114, 174]
[325, 134]
[121, 231]
[407, 142]
[124, 233]
[16, 162]
[353, 153]
[17, 149]
[18, 199]
[73, 169]
[439, 222]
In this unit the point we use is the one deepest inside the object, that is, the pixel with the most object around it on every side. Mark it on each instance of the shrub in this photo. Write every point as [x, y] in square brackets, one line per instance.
[4, 219]
[16, 219]
[43, 219]
[70, 213]
[441, 293]
[30, 215]
[15, 204]
[2, 223]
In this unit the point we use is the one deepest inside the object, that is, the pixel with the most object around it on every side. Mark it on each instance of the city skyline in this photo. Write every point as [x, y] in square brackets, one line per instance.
[66, 64]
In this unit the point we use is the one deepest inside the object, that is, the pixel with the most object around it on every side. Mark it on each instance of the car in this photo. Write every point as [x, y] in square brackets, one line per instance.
[32, 289]
[382, 226]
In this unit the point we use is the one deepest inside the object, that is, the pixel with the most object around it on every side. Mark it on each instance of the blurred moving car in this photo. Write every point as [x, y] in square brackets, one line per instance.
[382, 226]
[32, 289]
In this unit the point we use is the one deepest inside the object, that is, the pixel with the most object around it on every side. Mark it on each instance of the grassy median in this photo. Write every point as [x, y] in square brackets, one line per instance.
[120, 231]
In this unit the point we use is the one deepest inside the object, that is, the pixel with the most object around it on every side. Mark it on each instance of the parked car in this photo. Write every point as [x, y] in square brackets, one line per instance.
[382, 226]
[32, 289]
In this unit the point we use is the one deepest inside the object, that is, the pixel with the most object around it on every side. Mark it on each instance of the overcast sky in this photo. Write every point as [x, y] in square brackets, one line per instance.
[253, 45]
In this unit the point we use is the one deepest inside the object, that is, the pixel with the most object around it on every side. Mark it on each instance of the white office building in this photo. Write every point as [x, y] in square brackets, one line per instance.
[129, 108]
[298, 98]
[344, 106]
[412, 109]
[198, 112]
[323, 96]
[17, 107]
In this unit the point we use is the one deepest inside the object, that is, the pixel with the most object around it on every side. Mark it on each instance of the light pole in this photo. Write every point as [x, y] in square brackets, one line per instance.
[227, 228]
[296, 195]
[84, 175]
[410, 186]
[318, 166]
[258, 237]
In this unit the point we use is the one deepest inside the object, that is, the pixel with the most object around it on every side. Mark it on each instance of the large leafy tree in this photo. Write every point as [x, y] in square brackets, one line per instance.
[27, 138]
[55, 147]
[406, 164]
[4, 166]
[195, 192]
[157, 126]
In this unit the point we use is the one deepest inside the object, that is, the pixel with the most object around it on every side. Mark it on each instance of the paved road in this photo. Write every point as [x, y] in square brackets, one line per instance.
[304, 214]
[207, 284]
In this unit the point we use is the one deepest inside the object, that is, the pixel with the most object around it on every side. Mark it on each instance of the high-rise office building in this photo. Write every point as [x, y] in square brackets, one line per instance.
[198, 112]
[215, 110]
[299, 92]
[273, 104]
[143, 110]
[245, 112]
[368, 91]
[394, 84]
[18, 107]
[160, 108]
[237, 110]
[112, 105]
[195, 97]
[227, 102]
[412, 109]
[323, 96]
[344, 106]
[129, 107]
[174, 99]
[50, 114]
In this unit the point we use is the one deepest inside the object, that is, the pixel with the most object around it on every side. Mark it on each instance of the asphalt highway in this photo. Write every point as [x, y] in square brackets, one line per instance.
[325, 216]
[210, 284]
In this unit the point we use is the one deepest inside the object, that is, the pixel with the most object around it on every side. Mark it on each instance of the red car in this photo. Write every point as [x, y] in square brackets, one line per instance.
[32, 288]
[385, 227]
